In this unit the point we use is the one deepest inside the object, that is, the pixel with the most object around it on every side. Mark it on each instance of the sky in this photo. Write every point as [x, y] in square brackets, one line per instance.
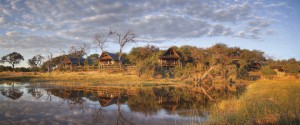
[33, 27]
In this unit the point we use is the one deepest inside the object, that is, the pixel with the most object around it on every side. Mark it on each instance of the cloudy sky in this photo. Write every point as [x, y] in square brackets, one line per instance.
[36, 26]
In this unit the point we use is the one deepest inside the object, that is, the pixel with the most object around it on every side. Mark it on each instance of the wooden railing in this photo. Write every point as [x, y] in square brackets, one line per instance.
[95, 68]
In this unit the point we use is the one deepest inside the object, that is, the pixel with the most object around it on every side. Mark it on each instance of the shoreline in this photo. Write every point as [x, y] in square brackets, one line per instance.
[121, 78]
[94, 77]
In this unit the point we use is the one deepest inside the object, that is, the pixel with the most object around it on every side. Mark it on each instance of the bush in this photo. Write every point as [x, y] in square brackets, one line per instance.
[243, 74]
[5, 68]
[268, 72]
[22, 69]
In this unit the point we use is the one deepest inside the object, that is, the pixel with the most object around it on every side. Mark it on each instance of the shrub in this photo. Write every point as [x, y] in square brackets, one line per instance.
[268, 72]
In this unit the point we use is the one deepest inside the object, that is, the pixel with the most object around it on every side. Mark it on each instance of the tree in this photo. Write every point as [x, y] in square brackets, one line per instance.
[35, 61]
[100, 41]
[94, 58]
[138, 54]
[292, 66]
[12, 58]
[78, 52]
[12, 92]
[129, 36]
[49, 64]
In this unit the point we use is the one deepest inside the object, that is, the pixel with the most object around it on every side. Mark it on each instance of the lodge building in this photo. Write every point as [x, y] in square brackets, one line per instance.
[170, 58]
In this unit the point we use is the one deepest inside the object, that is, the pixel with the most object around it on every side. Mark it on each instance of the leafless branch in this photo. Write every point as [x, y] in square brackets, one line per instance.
[100, 41]
[129, 36]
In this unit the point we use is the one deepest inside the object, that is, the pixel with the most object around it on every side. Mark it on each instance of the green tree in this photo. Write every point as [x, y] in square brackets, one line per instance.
[292, 66]
[12, 58]
[94, 58]
[138, 54]
[35, 61]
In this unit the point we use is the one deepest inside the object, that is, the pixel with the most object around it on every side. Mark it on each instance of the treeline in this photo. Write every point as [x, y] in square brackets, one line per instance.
[227, 62]
[18, 69]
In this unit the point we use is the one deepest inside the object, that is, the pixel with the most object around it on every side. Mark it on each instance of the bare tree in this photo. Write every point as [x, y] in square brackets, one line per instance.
[100, 41]
[78, 52]
[64, 55]
[50, 61]
[128, 37]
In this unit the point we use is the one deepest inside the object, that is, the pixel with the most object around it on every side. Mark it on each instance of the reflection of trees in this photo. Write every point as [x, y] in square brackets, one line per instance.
[120, 116]
[174, 99]
[35, 91]
[98, 116]
[73, 98]
[12, 93]
[145, 101]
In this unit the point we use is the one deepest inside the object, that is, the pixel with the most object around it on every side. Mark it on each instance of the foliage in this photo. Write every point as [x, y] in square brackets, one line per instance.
[292, 66]
[268, 72]
[94, 58]
[12, 58]
[144, 101]
[242, 74]
[145, 59]
[54, 62]
[35, 61]
[139, 54]
[5, 68]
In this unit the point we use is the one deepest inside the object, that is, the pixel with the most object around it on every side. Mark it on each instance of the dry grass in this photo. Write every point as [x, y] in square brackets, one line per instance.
[92, 77]
[265, 102]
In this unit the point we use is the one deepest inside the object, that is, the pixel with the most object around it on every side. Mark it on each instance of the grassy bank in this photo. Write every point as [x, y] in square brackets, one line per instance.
[264, 102]
[92, 77]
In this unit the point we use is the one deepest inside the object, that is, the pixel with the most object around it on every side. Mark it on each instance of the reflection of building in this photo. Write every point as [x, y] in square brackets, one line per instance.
[170, 58]
[106, 101]
[147, 100]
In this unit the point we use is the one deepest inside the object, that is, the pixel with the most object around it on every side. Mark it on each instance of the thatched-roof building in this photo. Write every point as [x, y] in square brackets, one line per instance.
[70, 62]
[73, 61]
[107, 59]
[170, 58]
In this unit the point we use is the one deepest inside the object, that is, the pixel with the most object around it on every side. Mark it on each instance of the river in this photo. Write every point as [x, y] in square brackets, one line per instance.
[77, 103]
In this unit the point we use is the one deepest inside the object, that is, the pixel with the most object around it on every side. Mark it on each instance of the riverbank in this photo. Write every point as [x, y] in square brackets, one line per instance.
[264, 102]
[92, 77]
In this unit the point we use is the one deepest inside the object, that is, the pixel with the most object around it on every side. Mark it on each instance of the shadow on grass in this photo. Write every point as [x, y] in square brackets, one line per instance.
[17, 78]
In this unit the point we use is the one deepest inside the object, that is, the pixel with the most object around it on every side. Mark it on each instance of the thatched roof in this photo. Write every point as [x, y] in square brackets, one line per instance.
[106, 101]
[74, 60]
[109, 56]
[170, 54]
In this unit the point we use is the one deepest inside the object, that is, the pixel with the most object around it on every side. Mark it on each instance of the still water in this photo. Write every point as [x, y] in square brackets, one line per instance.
[75, 103]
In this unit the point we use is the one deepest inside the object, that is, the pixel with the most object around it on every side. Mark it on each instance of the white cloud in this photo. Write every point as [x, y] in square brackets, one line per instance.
[11, 33]
[2, 20]
[56, 24]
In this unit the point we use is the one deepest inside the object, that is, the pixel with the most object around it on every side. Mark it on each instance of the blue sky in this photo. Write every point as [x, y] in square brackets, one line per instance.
[33, 27]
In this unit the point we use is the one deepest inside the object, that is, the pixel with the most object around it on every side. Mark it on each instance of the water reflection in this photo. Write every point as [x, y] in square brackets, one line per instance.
[108, 104]
[11, 92]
